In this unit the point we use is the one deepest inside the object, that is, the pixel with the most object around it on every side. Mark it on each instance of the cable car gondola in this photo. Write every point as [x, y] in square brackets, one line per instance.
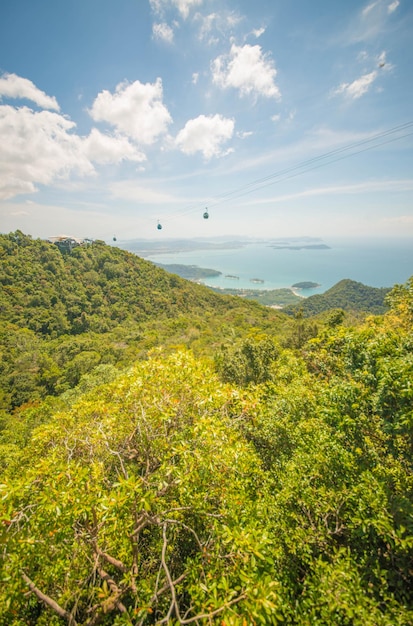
[159, 226]
[206, 214]
[114, 238]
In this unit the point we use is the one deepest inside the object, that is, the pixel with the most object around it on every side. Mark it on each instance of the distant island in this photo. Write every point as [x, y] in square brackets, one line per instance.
[256, 280]
[305, 285]
[151, 247]
[232, 276]
[309, 246]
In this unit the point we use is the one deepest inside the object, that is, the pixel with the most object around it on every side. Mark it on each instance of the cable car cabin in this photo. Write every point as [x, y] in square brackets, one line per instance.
[206, 214]
[114, 238]
[159, 226]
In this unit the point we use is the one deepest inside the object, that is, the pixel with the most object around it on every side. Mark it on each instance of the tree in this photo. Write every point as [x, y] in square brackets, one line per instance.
[142, 504]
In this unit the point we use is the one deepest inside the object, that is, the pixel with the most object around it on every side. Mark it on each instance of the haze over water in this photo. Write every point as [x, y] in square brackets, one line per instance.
[374, 262]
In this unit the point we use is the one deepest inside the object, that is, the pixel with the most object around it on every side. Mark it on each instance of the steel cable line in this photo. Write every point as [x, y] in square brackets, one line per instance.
[313, 163]
[305, 166]
[310, 168]
[321, 160]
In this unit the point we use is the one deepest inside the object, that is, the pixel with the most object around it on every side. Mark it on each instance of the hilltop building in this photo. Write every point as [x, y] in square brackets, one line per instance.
[66, 243]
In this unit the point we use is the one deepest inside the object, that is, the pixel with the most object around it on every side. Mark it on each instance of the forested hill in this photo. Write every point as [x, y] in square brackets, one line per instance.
[94, 287]
[348, 295]
[63, 315]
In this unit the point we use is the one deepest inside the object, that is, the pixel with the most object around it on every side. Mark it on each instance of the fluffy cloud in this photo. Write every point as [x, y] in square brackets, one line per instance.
[247, 69]
[40, 147]
[358, 87]
[163, 32]
[101, 148]
[135, 109]
[36, 148]
[13, 86]
[205, 134]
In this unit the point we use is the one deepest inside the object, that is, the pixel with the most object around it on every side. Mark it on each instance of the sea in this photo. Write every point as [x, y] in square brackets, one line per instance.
[259, 265]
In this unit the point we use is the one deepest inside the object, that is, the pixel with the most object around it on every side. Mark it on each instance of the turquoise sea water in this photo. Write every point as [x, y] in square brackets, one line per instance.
[376, 263]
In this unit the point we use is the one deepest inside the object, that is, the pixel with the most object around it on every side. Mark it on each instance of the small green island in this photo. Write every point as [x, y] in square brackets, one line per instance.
[305, 285]
[312, 246]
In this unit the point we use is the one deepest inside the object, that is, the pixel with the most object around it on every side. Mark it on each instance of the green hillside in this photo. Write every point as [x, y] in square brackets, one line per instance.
[197, 459]
[63, 315]
[348, 295]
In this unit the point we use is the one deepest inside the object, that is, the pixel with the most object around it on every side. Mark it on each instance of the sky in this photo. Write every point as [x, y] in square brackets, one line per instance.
[283, 118]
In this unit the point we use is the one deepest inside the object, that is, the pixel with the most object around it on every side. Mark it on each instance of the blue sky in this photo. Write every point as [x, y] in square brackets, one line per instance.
[282, 117]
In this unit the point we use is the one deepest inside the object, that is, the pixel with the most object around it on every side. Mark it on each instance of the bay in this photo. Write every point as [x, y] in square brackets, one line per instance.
[373, 262]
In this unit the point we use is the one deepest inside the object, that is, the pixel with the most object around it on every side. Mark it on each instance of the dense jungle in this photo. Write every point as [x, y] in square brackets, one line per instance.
[170, 455]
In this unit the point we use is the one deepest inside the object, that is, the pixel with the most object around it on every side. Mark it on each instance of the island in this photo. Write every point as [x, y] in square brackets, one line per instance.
[305, 285]
[256, 280]
[311, 246]
[231, 276]
[190, 272]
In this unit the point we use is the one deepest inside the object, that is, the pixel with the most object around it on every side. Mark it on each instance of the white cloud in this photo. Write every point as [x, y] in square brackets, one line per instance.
[244, 134]
[135, 109]
[369, 7]
[163, 32]
[372, 20]
[42, 147]
[207, 25]
[247, 69]
[217, 25]
[13, 86]
[102, 148]
[183, 6]
[393, 6]
[36, 148]
[258, 32]
[358, 87]
[156, 5]
[205, 134]
[195, 77]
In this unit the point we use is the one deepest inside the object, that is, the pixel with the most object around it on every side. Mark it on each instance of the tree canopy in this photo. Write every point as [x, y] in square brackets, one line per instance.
[265, 480]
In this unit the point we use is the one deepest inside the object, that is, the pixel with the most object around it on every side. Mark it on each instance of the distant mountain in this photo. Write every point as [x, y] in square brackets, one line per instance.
[346, 294]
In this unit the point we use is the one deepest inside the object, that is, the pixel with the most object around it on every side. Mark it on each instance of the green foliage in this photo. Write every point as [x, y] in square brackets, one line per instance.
[69, 313]
[346, 294]
[263, 476]
[248, 362]
[142, 501]
[277, 298]
[191, 272]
